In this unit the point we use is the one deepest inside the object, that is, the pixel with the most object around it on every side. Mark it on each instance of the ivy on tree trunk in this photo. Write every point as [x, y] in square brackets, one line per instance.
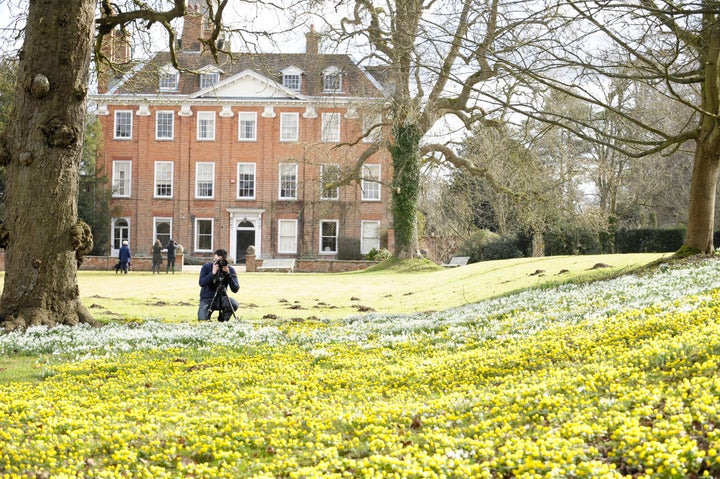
[406, 184]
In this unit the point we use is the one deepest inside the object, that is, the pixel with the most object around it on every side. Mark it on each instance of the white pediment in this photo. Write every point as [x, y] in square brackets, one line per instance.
[247, 84]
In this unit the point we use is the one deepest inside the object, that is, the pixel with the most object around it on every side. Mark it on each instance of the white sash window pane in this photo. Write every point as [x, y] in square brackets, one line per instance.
[206, 125]
[246, 180]
[247, 126]
[204, 180]
[163, 179]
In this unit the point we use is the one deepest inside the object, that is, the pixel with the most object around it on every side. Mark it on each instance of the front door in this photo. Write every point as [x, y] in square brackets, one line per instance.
[120, 233]
[244, 237]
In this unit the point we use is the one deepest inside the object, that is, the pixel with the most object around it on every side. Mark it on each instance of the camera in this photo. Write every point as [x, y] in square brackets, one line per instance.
[221, 275]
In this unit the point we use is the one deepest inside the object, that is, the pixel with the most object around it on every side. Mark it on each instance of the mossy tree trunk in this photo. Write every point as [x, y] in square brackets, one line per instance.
[405, 187]
[41, 147]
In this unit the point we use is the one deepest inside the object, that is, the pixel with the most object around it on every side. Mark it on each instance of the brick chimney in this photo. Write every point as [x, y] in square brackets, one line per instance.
[312, 41]
[116, 48]
[193, 27]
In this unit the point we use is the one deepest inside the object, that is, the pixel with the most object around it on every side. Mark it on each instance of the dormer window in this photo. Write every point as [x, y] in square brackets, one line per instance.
[332, 80]
[168, 78]
[209, 76]
[209, 79]
[292, 78]
[291, 82]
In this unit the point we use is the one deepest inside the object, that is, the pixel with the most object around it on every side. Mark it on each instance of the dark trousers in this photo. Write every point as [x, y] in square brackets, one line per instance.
[226, 305]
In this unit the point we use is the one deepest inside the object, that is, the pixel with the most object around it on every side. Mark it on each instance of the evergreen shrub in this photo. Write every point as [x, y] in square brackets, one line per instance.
[473, 246]
[649, 240]
[378, 254]
[504, 247]
[573, 240]
[484, 245]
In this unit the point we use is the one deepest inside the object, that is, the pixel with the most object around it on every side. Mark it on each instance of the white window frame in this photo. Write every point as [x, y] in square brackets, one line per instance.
[330, 128]
[206, 126]
[247, 120]
[287, 235]
[162, 177]
[292, 78]
[370, 182]
[241, 181]
[196, 239]
[123, 131]
[323, 251]
[289, 126]
[369, 241]
[332, 80]
[334, 193]
[168, 80]
[292, 81]
[204, 177]
[166, 115]
[120, 181]
[285, 169]
[209, 79]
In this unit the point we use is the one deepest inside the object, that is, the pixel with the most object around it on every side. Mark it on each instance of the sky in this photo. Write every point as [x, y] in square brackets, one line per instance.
[248, 16]
[10, 14]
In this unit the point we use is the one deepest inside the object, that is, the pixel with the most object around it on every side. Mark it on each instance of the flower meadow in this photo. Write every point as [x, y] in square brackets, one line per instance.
[612, 379]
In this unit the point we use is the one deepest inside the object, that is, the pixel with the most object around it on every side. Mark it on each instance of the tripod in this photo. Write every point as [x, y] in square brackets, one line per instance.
[221, 302]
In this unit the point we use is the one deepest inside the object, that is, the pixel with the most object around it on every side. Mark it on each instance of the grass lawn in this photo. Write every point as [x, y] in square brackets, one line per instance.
[142, 295]
[19, 368]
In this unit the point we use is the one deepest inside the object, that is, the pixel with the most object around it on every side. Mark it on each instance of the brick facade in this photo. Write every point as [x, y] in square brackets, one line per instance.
[250, 84]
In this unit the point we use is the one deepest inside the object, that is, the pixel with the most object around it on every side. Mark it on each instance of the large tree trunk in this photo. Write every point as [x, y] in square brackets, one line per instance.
[703, 187]
[406, 184]
[701, 214]
[538, 244]
[43, 143]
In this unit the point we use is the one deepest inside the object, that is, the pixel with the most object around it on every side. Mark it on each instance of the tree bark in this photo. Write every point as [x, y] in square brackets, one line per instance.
[538, 244]
[706, 164]
[43, 143]
[701, 212]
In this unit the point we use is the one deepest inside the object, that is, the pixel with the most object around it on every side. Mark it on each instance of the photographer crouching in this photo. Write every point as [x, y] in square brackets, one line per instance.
[215, 278]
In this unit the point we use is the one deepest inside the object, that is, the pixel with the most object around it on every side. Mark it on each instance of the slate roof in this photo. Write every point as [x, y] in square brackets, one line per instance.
[144, 79]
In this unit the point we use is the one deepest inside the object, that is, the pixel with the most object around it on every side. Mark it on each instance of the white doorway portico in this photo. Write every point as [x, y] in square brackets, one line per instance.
[245, 230]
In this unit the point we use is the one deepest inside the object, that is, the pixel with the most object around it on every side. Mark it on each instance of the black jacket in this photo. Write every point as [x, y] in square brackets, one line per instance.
[208, 286]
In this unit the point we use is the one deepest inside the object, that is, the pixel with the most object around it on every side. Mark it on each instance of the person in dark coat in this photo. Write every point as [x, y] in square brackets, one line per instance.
[215, 278]
[124, 255]
[170, 255]
[157, 256]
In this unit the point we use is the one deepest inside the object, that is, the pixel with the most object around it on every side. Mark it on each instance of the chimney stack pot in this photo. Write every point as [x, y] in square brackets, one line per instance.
[312, 41]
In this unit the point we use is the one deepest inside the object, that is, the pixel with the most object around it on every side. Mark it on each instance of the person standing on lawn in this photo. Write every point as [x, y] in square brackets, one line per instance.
[157, 258]
[124, 255]
[170, 255]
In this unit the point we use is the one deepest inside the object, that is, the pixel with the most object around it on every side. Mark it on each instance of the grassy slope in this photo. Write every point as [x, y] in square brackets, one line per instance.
[390, 288]
[304, 295]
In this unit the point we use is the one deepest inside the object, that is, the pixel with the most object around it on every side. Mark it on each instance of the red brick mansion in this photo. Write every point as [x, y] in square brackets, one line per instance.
[257, 149]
